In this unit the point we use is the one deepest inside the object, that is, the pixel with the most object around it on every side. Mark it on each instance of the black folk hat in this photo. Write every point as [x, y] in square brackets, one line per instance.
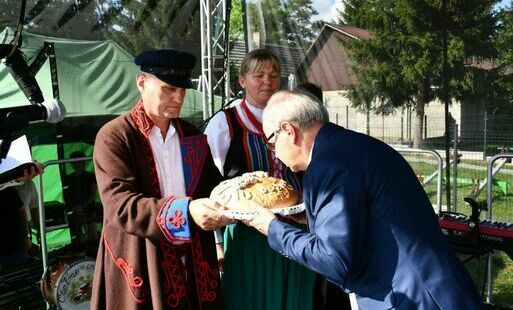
[169, 65]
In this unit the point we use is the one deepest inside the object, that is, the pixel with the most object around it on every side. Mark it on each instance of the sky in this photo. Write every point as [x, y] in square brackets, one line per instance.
[502, 4]
[328, 8]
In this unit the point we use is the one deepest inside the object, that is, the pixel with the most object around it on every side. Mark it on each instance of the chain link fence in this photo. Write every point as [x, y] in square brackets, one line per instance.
[476, 139]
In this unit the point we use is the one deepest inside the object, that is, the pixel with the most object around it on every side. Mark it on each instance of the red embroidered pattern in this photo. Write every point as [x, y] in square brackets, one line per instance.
[174, 273]
[207, 278]
[251, 117]
[229, 122]
[128, 270]
[144, 125]
[177, 220]
[191, 158]
[163, 225]
[174, 286]
[141, 119]
[129, 274]
[194, 160]
[196, 150]
[276, 168]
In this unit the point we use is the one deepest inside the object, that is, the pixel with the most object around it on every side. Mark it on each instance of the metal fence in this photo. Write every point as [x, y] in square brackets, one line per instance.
[473, 143]
[480, 148]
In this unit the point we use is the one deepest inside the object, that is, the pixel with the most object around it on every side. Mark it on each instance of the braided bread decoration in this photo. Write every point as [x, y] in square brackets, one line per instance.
[269, 192]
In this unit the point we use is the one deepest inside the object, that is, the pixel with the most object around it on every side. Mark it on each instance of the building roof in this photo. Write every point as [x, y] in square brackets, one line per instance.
[296, 59]
[345, 30]
[326, 62]
[289, 56]
[354, 32]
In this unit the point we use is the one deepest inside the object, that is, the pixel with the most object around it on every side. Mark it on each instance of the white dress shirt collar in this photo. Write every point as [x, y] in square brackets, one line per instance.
[168, 161]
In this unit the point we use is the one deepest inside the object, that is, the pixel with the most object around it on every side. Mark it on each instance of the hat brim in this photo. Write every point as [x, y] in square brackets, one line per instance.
[175, 80]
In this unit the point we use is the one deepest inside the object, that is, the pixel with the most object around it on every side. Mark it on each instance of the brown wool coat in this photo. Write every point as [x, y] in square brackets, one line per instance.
[136, 267]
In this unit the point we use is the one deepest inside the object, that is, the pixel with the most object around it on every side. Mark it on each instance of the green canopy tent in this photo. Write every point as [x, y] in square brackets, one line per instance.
[95, 80]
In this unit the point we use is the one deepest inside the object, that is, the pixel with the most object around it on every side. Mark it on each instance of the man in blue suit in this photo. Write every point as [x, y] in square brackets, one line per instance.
[372, 229]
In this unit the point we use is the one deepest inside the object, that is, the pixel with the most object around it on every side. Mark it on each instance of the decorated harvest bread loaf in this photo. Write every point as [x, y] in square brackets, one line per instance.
[269, 192]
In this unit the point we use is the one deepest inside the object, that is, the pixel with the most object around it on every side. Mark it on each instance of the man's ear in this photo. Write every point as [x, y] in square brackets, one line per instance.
[289, 130]
[139, 81]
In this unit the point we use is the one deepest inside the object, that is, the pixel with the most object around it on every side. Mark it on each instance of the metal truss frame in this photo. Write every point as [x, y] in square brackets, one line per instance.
[215, 68]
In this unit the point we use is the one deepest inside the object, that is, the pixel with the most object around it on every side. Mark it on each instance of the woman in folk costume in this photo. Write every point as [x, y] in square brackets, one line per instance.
[255, 277]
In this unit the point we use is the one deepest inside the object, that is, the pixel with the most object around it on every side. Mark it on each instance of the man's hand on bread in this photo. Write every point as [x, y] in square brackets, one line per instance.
[205, 213]
[262, 219]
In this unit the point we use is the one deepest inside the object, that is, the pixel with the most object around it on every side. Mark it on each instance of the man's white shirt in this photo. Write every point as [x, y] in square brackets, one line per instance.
[168, 159]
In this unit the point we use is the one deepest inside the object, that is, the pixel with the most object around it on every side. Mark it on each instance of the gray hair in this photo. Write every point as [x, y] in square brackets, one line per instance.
[298, 108]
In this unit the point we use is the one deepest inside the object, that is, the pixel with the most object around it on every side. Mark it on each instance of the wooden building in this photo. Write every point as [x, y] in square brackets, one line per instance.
[326, 62]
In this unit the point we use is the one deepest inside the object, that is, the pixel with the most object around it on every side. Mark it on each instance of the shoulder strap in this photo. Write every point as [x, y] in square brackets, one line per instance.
[235, 163]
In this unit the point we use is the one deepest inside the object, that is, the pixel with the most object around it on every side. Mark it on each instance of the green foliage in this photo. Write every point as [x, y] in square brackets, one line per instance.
[505, 37]
[297, 26]
[282, 22]
[145, 24]
[236, 20]
[354, 13]
[135, 25]
[9, 14]
[402, 64]
[505, 57]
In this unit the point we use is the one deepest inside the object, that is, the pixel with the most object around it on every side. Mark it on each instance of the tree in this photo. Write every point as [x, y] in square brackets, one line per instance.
[505, 36]
[297, 26]
[9, 14]
[505, 58]
[282, 22]
[152, 24]
[402, 63]
[236, 26]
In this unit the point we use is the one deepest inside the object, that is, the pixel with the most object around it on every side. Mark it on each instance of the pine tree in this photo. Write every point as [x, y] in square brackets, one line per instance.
[283, 22]
[151, 24]
[402, 63]
[297, 27]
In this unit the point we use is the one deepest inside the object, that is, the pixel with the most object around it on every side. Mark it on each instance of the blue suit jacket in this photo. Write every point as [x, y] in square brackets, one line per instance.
[372, 229]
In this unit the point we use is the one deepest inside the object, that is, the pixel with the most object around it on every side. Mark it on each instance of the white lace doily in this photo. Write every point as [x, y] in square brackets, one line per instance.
[249, 214]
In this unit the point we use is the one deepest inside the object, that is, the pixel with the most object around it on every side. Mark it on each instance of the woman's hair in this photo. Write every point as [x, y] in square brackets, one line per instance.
[301, 109]
[256, 59]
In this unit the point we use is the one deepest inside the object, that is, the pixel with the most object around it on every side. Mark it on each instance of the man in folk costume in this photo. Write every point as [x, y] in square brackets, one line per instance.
[254, 276]
[150, 165]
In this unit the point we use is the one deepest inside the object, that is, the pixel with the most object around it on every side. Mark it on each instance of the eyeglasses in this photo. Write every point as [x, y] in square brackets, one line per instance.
[268, 143]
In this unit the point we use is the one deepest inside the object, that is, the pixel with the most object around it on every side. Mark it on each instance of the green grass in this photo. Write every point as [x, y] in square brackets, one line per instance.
[502, 288]
[502, 210]
[503, 280]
